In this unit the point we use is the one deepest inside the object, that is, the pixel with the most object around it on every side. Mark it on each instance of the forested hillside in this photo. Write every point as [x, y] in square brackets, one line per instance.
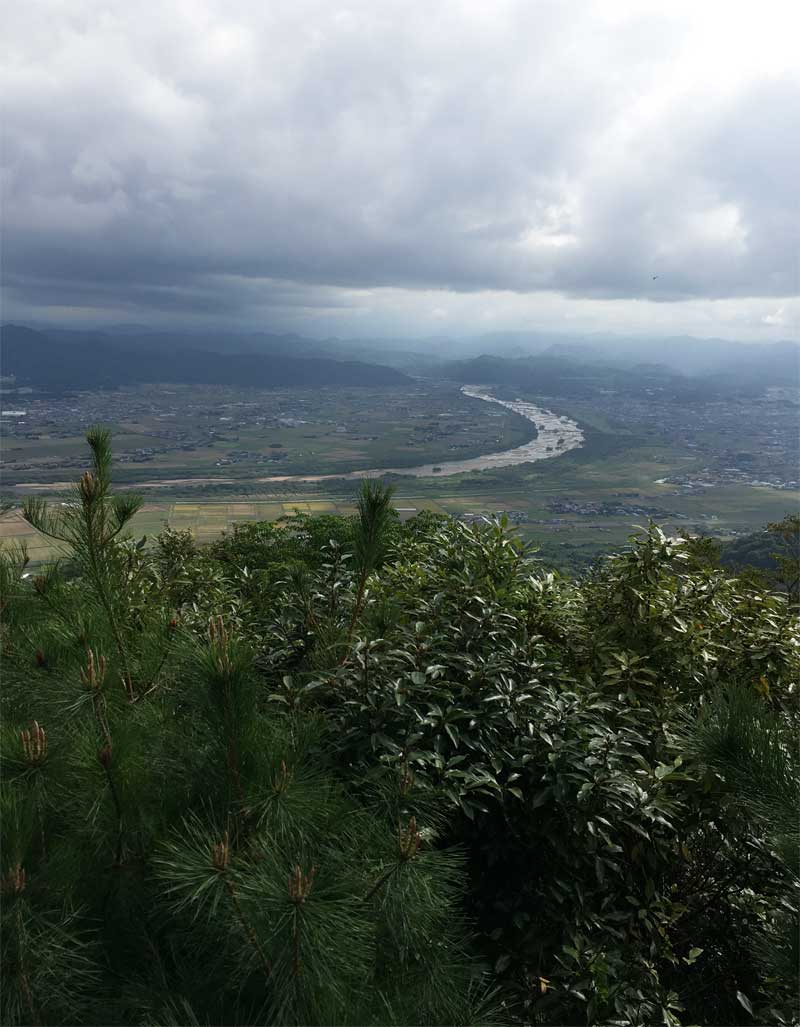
[348, 771]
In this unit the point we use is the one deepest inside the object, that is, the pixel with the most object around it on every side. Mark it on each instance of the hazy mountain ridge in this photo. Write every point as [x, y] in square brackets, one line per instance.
[91, 360]
[536, 359]
[549, 374]
[567, 368]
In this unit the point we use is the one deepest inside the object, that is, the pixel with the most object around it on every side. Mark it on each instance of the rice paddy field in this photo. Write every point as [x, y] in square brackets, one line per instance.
[205, 520]
[721, 512]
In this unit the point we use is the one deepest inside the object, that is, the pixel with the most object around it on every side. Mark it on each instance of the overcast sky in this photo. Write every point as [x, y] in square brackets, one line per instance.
[404, 168]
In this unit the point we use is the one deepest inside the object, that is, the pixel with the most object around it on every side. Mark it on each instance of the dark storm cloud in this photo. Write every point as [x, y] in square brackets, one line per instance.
[219, 158]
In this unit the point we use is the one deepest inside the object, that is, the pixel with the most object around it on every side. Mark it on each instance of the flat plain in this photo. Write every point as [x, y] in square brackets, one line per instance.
[201, 461]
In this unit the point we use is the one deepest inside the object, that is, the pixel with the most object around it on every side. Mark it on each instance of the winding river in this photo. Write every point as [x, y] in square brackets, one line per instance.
[555, 435]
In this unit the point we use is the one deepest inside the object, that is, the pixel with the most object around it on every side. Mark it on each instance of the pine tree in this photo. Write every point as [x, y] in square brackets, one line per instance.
[371, 539]
[89, 525]
[184, 849]
[752, 746]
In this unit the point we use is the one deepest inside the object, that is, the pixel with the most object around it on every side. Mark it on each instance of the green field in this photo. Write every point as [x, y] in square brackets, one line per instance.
[725, 512]
[555, 503]
[224, 433]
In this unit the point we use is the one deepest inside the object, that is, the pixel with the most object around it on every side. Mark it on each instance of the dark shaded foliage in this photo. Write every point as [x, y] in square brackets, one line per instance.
[352, 771]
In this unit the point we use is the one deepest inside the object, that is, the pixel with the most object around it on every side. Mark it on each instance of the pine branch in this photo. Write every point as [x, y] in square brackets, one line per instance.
[105, 756]
[751, 746]
[221, 855]
[37, 513]
[370, 540]
[23, 969]
[122, 508]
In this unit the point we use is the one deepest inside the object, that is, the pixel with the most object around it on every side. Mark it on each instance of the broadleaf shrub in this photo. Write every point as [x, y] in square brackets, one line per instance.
[351, 771]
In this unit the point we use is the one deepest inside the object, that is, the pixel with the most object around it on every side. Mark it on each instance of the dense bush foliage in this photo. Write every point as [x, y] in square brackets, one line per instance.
[351, 771]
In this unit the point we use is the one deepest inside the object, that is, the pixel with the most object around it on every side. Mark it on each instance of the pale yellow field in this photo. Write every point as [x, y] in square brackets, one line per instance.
[205, 521]
[242, 509]
[318, 506]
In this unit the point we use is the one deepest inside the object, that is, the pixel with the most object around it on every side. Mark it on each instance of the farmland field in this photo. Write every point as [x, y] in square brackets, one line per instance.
[724, 513]
[688, 469]
[222, 433]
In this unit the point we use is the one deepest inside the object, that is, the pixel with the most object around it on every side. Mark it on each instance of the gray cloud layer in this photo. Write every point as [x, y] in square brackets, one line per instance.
[230, 159]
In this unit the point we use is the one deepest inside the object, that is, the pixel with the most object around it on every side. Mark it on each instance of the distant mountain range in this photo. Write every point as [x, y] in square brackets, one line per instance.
[66, 359]
[550, 363]
[552, 374]
[398, 353]
[688, 368]
[684, 353]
